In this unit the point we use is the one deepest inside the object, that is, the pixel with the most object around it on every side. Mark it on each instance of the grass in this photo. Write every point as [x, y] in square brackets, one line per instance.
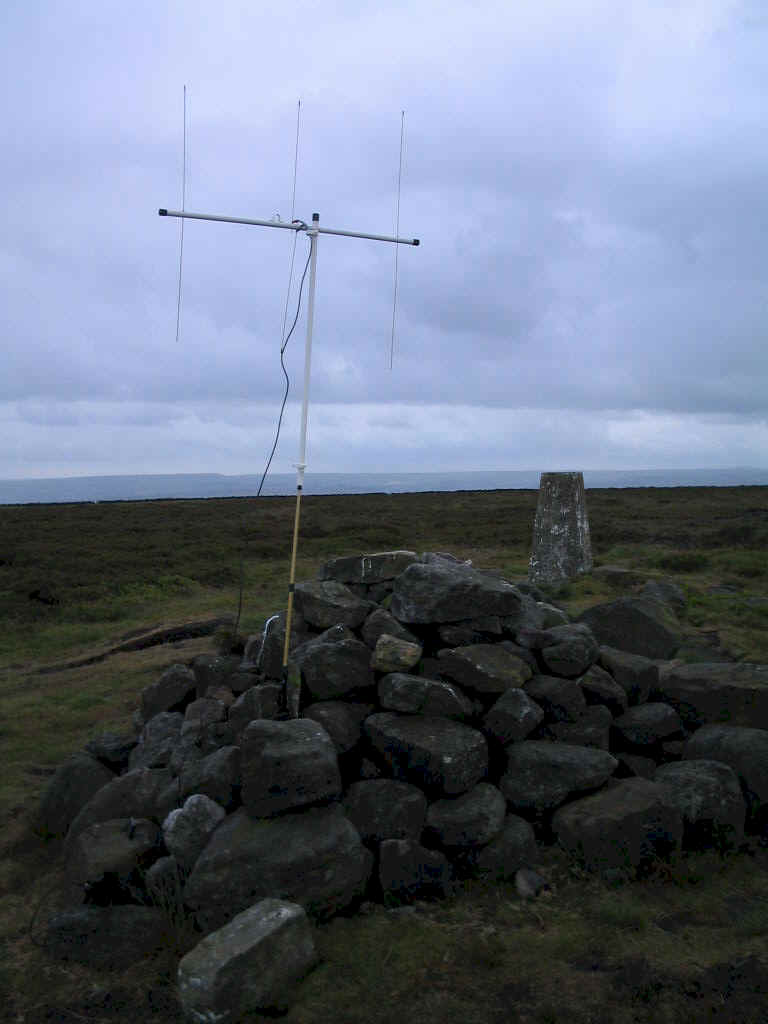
[675, 947]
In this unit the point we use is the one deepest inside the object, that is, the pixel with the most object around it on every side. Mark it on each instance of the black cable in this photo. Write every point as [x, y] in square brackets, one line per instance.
[283, 347]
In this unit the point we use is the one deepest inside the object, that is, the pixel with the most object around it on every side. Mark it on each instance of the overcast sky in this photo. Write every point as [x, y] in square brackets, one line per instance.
[589, 181]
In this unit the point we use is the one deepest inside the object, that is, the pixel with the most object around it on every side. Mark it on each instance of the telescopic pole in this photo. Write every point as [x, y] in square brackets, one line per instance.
[292, 682]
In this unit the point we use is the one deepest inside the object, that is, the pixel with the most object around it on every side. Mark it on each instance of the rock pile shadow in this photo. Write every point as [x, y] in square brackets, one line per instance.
[450, 721]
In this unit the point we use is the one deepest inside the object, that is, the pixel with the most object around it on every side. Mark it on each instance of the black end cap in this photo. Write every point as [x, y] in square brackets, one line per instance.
[162, 213]
[416, 241]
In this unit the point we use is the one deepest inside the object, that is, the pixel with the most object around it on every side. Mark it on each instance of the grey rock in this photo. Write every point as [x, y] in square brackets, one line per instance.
[621, 827]
[636, 764]
[326, 603]
[187, 829]
[342, 720]
[157, 741]
[259, 702]
[409, 871]
[561, 700]
[216, 776]
[530, 884]
[731, 694]
[392, 654]
[380, 621]
[112, 749]
[635, 674]
[647, 724]
[117, 846]
[107, 938]
[572, 651]
[213, 670]
[175, 687]
[668, 592]
[287, 765]
[486, 668]
[619, 578]
[542, 774]
[471, 819]
[551, 615]
[141, 793]
[745, 750]
[444, 592]
[368, 569]
[513, 847]
[335, 663]
[430, 751]
[415, 694]
[708, 795]
[638, 625]
[599, 687]
[268, 658]
[252, 963]
[201, 713]
[385, 809]
[70, 788]
[591, 728]
[513, 717]
[313, 857]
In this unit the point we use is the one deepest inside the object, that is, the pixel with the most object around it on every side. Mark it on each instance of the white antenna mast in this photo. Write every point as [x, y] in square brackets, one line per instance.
[312, 231]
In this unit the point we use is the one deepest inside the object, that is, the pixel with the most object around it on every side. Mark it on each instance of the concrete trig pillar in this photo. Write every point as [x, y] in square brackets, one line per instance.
[561, 544]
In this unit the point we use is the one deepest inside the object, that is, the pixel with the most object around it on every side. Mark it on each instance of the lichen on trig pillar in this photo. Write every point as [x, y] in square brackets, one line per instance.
[561, 544]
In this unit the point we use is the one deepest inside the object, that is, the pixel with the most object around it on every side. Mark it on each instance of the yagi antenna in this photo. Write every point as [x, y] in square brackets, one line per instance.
[312, 231]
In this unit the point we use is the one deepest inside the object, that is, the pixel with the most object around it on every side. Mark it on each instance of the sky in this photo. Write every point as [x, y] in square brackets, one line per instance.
[589, 182]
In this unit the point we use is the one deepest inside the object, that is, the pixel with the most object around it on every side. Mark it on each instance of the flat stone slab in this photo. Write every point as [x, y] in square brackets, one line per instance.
[731, 694]
[443, 591]
[252, 963]
[486, 668]
[429, 751]
[417, 695]
[312, 857]
[541, 774]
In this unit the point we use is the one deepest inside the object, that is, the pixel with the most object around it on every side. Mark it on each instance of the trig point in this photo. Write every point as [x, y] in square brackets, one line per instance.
[561, 545]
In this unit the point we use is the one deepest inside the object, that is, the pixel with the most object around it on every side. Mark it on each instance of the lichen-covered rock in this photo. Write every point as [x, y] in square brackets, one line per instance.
[257, 702]
[326, 603]
[639, 625]
[709, 797]
[707, 694]
[471, 819]
[368, 569]
[442, 591]
[380, 621]
[385, 809]
[636, 674]
[648, 723]
[417, 695]
[187, 829]
[175, 687]
[141, 793]
[157, 741]
[561, 700]
[117, 846]
[313, 857]
[746, 751]
[341, 719]
[542, 774]
[599, 687]
[513, 848]
[216, 776]
[621, 827]
[252, 963]
[591, 728]
[572, 650]
[486, 668]
[432, 752]
[335, 663]
[513, 717]
[392, 654]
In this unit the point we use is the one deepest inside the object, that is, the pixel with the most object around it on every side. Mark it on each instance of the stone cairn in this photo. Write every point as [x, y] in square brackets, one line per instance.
[450, 721]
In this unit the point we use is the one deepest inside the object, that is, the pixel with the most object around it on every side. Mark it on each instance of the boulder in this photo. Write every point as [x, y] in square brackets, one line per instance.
[118, 846]
[70, 788]
[106, 938]
[287, 765]
[216, 776]
[392, 654]
[709, 797]
[253, 963]
[432, 752]
[442, 591]
[561, 700]
[731, 694]
[648, 724]
[622, 827]
[187, 829]
[409, 871]
[639, 625]
[513, 848]
[172, 691]
[380, 621]
[140, 793]
[258, 702]
[572, 650]
[635, 674]
[368, 569]
[599, 687]
[157, 741]
[313, 857]
[214, 670]
[385, 809]
[342, 720]
[745, 750]
[415, 694]
[486, 668]
[326, 603]
[471, 819]
[335, 663]
[112, 749]
[542, 774]
[668, 592]
[590, 728]
[513, 717]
